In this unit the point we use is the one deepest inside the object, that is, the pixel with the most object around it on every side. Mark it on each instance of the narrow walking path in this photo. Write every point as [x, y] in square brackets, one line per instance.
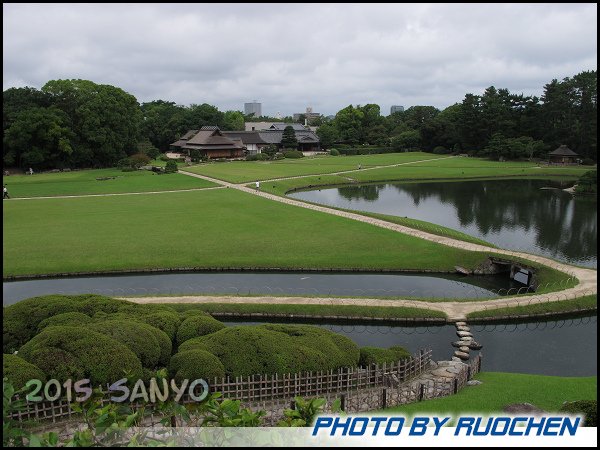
[456, 310]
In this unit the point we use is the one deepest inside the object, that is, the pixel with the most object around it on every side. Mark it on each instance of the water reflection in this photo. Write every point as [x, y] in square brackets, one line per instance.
[515, 214]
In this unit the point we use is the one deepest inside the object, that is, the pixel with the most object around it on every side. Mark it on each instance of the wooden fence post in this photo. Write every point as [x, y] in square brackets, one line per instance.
[343, 402]
[292, 404]
[421, 392]
[455, 386]
[383, 398]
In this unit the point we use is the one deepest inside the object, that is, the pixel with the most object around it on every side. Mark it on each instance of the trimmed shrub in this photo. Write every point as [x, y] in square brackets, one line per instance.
[69, 319]
[376, 355]
[21, 320]
[251, 157]
[166, 321]
[589, 409]
[18, 371]
[292, 154]
[77, 353]
[171, 167]
[440, 150]
[151, 345]
[195, 364]
[197, 325]
[334, 152]
[269, 349]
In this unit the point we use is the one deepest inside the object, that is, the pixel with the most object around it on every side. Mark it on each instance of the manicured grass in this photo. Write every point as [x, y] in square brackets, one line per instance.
[244, 171]
[565, 306]
[357, 312]
[83, 182]
[501, 389]
[210, 229]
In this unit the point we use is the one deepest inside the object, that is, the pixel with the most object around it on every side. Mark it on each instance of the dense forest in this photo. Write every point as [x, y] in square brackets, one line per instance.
[78, 123]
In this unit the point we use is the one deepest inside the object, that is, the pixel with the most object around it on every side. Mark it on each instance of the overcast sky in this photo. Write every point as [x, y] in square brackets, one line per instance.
[290, 56]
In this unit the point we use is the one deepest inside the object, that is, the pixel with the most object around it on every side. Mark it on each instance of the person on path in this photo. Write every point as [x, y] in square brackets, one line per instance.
[30, 171]
[5, 193]
[258, 185]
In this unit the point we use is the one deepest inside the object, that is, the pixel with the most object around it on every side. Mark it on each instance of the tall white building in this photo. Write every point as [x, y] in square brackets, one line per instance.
[253, 108]
[396, 108]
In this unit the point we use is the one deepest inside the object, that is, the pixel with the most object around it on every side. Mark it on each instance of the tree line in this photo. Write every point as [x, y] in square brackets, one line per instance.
[79, 123]
[497, 123]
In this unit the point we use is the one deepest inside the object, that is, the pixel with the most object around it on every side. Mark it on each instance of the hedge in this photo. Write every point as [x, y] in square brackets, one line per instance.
[270, 349]
[376, 355]
[151, 345]
[195, 364]
[166, 321]
[18, 371]
[197, 325]
[77, 353]
[70, 318]
[588, 408]
[21, 320]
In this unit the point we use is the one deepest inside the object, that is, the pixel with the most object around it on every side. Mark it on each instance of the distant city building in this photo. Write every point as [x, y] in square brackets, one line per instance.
[253, 108]
[309, 114]
[396, 108]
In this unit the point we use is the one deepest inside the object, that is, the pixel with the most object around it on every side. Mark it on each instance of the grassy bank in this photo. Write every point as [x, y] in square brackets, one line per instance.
[244, 171]
[501, 389]
[210, 229]
[565, 306]
[82, 182]
[343, 311]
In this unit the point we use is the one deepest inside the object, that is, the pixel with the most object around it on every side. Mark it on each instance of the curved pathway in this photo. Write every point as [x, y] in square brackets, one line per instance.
[456, 310]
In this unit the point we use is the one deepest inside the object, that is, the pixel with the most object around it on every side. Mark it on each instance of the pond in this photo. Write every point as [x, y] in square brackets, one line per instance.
[565, 347]
[265, 283]
[513, 214]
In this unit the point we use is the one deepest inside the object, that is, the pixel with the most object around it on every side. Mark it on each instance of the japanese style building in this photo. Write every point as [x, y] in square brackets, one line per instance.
[563, 155]
[211, 142]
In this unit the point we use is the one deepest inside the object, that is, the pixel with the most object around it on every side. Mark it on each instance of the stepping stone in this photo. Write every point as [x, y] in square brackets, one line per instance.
[463, 334]
[463, 328]
[455, 359]
[475, 346]
[474, 383]
[461, 355]
[464, 349]
[460, 343]
[461, 324]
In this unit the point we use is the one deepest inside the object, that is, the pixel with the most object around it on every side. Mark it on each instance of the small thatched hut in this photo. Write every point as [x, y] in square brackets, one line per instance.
[563, 155]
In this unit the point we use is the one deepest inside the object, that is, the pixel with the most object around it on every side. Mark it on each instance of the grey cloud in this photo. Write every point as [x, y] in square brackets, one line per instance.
[289, 56]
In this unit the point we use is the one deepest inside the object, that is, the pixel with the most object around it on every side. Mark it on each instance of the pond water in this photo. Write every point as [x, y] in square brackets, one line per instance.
[513, 214]
[565, 347]
[283, 284]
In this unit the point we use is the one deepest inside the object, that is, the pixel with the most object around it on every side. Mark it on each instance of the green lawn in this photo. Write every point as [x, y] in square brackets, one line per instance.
[357, 312]
[202, 229]
[83, 182]
[574, 305]
[501, 389]
[245, 171]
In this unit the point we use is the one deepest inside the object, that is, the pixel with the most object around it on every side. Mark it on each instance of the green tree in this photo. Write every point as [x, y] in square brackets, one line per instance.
[348, 122]
[328, 134]
[233, 120]
[407, 141]
[288, 140]
[40, 138]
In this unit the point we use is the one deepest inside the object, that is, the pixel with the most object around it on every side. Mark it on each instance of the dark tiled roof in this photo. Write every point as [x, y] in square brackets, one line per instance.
[563, 150]
[247, 137]
[274, 137]
[209, 137]
[281, 126]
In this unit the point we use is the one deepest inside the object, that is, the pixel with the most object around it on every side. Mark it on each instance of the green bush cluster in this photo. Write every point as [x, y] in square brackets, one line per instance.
[589, 409]
[171, 167]
[270, 349]
[18, 371]
[375, 355]
[77, 353]
[293, 154]
[195, 364]
[365, 150]
[334, 152]
[151, 345]
[21, 320]
[69, 318]
[197, 325]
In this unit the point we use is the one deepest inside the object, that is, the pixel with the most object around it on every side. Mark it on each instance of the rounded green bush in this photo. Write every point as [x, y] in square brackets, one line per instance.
[195, 364]
[269, 349]
[21, 320]
[376, 355]
[68, 319]
[334, 152]
[18, 371]
[197, 325]
[77, 353]
[588, 408]
[151, 345]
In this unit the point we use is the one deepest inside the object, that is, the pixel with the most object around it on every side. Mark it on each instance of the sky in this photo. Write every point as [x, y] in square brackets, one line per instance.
[291, 56]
